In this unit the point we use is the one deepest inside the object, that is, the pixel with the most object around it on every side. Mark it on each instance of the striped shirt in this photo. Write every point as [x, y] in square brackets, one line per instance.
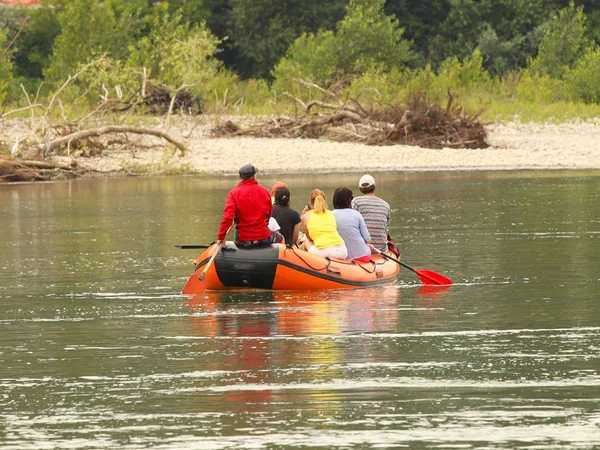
[376, 213]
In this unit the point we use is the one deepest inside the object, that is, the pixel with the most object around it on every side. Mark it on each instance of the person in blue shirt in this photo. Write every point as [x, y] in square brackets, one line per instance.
[351, 226]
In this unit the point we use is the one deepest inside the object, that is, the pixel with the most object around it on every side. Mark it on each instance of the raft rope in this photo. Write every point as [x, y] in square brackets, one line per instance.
[339, 261]
[304, 261]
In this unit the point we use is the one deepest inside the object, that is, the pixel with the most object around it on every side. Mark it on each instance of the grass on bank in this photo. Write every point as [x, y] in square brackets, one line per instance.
[521, 98]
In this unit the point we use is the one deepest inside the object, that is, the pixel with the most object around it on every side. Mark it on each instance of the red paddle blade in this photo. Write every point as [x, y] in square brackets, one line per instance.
[194, 286]
[430, 277]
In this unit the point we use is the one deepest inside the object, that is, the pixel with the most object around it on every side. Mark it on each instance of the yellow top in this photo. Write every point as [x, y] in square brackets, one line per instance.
[322, 229]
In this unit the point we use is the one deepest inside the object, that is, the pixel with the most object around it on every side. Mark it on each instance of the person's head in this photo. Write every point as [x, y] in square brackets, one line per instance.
[342, 198]
[277, 185]
[282, 196]
[366, 184]
[318, 201]
[247, 172]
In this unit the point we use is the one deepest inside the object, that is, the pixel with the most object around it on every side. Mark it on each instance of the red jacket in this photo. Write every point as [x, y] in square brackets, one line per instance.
[250, 205]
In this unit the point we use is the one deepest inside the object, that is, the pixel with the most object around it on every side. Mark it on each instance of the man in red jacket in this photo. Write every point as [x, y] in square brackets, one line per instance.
[249, 206]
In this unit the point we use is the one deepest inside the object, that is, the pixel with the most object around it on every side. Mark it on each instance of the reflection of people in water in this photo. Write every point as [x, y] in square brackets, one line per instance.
[344, 311]
[250, 355]
[300, 330]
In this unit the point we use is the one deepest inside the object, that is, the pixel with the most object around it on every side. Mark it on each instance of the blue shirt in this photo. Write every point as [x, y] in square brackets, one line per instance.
[351, 226]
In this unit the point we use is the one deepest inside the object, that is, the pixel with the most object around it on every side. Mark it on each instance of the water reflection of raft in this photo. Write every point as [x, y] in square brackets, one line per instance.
[278, 267]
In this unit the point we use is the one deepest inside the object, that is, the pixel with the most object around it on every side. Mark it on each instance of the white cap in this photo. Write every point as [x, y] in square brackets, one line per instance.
[366, 181]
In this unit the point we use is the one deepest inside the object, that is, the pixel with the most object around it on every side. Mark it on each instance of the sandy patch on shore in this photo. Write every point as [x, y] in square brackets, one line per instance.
[513, 146]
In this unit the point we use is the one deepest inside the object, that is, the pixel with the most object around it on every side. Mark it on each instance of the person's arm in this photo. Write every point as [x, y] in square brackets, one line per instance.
[364, 231]
[296, 233]
[228, 217]
[273, 224]
[269, 209]
[305, 224]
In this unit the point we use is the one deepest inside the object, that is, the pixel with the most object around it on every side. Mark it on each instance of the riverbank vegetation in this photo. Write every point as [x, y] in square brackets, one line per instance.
[74, 65]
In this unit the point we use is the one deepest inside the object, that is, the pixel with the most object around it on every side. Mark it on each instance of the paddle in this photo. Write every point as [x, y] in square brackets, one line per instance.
[426, 276]
[197, 284]
[187, 247]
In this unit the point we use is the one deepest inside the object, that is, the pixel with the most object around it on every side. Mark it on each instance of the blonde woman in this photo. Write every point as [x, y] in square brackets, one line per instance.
[320, 228]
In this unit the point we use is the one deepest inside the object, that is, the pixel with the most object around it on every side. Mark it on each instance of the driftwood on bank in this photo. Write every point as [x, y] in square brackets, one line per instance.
[14, 169]
[419, 123]
[34, 168]
[73, 138]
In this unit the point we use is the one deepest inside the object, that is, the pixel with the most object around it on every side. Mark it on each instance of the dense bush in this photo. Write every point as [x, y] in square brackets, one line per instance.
[584, 79]
[525, 60]
[366, 39]
[5, 67]
[89, 28]
[563, 44]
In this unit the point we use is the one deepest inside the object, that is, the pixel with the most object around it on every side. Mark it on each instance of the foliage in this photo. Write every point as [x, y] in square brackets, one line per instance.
[366, 39]
[261, 31]
[313, 57]
[563, 44]
[227, 92]
[377, 86]
[369, 38]
[5, 66]
[89, 28]
[461, 78]
[540, 88]
[463, 75]
[584, 79]
[109, 79]
[175, 53]
[378, 52]
[34, 47]
[501, 110]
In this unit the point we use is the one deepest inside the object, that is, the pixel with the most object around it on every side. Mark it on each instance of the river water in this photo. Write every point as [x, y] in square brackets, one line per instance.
[98, 349]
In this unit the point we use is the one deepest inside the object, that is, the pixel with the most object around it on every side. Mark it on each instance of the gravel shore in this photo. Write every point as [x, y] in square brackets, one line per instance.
[513, 146]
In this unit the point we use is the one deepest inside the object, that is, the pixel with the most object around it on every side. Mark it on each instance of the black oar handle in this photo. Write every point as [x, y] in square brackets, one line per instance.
[187, 247]
[193, 246]
[398, 261]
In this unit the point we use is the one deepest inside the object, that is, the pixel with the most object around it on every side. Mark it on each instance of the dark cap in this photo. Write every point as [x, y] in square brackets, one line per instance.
[248, 171]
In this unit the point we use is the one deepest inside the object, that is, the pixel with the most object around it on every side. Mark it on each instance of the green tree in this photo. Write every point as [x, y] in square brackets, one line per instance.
[6, 68]
[584, 79]
[421, 20]
[34, 46]
[563, 44]
[366, 39]
[260, 31]
[88, 28]
[175, 52]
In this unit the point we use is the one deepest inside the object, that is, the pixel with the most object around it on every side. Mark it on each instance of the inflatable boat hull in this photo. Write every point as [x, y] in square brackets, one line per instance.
[278, 267]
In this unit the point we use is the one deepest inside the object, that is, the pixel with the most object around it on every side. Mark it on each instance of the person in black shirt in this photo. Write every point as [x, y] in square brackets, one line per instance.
[287, 218]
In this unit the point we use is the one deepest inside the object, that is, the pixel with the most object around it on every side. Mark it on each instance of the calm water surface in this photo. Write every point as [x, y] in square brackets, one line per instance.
[99, 350]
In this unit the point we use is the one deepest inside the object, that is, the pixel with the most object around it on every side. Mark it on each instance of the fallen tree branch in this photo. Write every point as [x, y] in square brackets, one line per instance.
[340, 115]
[330, 106]
[92, 132]
[316, 86]
[46, 165]
[419, 122]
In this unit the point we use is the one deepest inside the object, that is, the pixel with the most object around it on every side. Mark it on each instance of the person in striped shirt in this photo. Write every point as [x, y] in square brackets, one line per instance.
[374, 210]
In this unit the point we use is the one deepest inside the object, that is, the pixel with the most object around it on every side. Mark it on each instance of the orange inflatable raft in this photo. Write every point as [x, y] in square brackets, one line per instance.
[278, 267]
